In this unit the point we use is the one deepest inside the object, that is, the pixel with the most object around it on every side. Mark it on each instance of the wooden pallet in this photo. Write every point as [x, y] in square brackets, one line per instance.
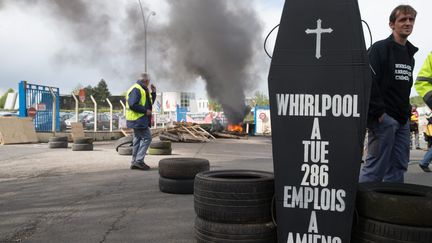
[186, 132]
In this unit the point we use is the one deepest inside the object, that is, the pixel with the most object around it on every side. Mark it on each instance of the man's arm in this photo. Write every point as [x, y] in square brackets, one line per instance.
[376, 103]
[153, 93]
[423, 83]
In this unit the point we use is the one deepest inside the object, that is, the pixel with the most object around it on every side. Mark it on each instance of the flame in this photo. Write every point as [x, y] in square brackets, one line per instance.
[235, 128]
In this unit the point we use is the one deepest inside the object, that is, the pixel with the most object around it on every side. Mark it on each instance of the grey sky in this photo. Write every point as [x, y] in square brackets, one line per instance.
[38, 46]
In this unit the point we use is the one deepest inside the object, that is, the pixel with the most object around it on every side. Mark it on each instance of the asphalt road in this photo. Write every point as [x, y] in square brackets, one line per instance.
[58, 195]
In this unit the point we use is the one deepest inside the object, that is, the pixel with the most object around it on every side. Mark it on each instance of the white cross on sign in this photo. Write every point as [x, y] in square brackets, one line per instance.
[318, 31]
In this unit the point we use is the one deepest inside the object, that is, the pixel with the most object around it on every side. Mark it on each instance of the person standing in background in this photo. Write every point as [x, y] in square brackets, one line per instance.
[423, 85]
[414, 127]
[391, 62]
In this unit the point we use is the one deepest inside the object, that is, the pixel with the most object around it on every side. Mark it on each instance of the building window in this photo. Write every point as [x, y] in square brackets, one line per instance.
[185, 99]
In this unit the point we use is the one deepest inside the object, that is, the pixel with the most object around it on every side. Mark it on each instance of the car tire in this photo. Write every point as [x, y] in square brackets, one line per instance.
[125, 150]
[234, 196]
[63, 144]
[372, 231]
[83, 140]
[82, 147]
[154, 151]
[161, 145]
[176, 186]
[207, 231]
[182, 168]
[395, 203]
[58, 139]
[123, 141]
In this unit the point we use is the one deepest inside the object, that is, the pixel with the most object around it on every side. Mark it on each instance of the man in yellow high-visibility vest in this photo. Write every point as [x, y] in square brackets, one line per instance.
[423, 85]
[139, 103]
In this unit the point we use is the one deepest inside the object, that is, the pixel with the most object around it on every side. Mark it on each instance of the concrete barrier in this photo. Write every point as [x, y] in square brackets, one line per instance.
[14, 130]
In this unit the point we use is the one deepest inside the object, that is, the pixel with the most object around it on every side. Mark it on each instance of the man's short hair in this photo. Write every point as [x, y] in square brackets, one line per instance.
[144, 76]
[402, 9]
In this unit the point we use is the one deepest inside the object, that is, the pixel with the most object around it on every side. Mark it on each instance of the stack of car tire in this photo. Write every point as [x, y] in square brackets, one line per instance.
[393, 212]
[124, 145]
[82, 144]
[160, 148]
[58, 142]
[177, 174]
[125, 150]
[234, 206]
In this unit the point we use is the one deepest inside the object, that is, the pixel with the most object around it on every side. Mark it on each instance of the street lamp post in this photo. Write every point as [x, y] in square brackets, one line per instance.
[145, 22]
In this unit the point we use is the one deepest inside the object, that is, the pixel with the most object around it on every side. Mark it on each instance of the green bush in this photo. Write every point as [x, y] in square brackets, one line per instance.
[4, 97]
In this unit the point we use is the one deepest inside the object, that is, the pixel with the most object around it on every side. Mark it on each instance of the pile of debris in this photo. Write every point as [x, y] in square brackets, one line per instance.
[185, 132]
[128, 132]
[194, 133]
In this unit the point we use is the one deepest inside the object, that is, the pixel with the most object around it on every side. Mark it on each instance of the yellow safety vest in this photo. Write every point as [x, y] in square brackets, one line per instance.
[423, 83]
[130, 114]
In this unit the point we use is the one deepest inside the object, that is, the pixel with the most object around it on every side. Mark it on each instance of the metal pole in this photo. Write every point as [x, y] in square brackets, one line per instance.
[95, 112]
[145, 23]
[111, 114]
[54, 111]
[22, 98]
[124, 107]
[76, 107]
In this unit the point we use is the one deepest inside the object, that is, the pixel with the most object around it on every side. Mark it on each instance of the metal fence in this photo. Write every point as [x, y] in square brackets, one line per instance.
[41, 102]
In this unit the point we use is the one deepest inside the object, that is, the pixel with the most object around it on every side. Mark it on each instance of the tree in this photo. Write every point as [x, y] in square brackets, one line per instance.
[88, 92]
[4, 97]
[261, 99]
[101, 92]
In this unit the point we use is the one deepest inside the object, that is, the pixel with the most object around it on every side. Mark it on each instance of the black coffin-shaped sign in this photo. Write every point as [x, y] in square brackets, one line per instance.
[319, 85]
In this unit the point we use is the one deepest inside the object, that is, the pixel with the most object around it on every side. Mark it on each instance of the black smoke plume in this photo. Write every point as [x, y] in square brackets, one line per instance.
[217, 41]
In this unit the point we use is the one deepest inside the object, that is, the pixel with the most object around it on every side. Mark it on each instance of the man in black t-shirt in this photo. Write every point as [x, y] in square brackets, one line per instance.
[392, 64]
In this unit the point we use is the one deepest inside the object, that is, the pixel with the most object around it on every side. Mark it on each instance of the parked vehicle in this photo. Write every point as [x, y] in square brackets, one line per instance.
[63, 117]
[8, 113]
[103, 122]
[81, 118]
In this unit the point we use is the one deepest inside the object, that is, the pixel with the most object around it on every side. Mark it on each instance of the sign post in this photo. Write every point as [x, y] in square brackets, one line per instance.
[31, 112]
[319, 85]
[82, 95]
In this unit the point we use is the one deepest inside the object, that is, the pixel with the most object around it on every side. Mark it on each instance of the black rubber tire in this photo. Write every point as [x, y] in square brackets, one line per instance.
[168, 137]
[153, 151]
[58, 139]
[234, 196]
[125, 150]
[395, 203]
[62, 144]
[371, 231]
[182, 168]
[83, 140]
[82, 147]
[161, 145]
[207, 231]
[122, 141]
[176, 186]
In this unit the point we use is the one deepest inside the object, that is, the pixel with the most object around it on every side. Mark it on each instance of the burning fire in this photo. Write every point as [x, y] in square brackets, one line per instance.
[235, 128]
